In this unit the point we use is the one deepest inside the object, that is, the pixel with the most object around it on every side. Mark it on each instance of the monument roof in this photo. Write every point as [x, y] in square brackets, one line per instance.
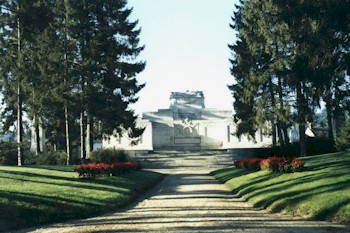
[188, 99]
[187, 94]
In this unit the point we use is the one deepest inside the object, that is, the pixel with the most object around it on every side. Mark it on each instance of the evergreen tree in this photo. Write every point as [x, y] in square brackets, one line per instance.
[297, 54]
[15, 34]
[71, 59]
[263, 79]
[108, 66]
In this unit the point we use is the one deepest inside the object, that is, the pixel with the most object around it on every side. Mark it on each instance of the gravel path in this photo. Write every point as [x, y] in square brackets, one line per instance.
[189, 200]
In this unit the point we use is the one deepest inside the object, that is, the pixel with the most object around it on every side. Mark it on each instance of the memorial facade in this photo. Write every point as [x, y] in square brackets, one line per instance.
[187, 125]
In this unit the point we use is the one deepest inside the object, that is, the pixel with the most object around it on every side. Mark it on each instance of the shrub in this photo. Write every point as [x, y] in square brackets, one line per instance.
[252, 163]
[104, 169]
[46, 158]
[8, 153]
[342, 141]
[108, 156]
[320, 145]
[275, 164]
[315, 146]
[279, 164]
[297, 164]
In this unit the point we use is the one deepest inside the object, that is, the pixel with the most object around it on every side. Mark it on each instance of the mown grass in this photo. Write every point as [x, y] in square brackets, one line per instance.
[320, 192]
[32, 196]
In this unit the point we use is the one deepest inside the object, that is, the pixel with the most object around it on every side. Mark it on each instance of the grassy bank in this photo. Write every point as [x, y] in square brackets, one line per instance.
[320, 192]
[32, 196]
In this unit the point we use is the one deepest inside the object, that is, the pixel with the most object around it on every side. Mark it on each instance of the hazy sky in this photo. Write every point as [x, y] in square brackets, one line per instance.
[186, 49]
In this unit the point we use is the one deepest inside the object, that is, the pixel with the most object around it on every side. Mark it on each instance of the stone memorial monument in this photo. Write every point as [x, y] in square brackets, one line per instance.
[186, 125]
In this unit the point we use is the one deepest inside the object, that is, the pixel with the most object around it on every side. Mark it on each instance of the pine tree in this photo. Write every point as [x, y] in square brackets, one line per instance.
[15, 35]
[262, 78]
[77, 56]
[108, 66]
[297, 51]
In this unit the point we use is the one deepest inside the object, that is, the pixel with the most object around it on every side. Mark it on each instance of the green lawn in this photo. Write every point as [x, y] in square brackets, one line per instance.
[32, 196]
[320, 192]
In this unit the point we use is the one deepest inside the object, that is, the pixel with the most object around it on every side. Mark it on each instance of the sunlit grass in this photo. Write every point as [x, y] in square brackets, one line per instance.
[320, 192]
[31, 196]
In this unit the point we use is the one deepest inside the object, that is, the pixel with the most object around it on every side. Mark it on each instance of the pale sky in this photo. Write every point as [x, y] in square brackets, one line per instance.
[186, 49]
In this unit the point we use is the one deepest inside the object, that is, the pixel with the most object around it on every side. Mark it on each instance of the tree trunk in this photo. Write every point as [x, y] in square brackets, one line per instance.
[302, 140]
[301, 119]
[273, 105]
[273, 132]
[91, 134]
[66, 113]
[19, 99]
[66, 116]
[82, 135]
[19, 126]
[280, 135]
[282, 111]
[285, 134]
[88, 136]
[37, 136]
[329, 118]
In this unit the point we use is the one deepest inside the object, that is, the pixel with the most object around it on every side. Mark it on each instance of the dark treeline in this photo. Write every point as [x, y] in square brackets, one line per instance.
[289, 57]
[71, 67]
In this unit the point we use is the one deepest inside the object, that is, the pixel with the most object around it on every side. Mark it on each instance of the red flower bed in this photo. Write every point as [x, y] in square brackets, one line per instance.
[276, 164]
[253, 163]
[106, 169]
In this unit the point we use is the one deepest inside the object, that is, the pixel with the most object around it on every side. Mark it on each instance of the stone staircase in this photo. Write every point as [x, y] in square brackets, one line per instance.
[171, 159]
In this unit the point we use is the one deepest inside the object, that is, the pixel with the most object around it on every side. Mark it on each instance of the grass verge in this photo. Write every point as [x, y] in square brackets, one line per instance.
[32, 196]
[320, 192]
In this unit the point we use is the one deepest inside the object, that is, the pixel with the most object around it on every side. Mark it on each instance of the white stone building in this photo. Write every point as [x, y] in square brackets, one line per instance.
[187, 125]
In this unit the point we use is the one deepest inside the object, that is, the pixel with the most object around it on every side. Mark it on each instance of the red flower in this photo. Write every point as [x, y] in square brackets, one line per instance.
[100, 169]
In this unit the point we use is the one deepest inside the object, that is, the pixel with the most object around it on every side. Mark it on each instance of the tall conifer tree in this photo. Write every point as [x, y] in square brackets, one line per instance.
[15, 34]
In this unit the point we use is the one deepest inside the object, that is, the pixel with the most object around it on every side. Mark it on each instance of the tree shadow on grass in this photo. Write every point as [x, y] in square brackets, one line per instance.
[110, 184]
[20, 210]
[278, 197]
[75, 184]
[60, 168]
[293, 197]
[230, 173]
[28, 210]
[279, 194]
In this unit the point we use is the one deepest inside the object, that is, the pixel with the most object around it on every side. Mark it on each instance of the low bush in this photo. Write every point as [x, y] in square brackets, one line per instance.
[279, 164]
[8, 153]
[342, 142]
[274, 164]
[314, 146]
[253, 163]
[46, 158]
[108, 156]
[319, 145]
[106, 169]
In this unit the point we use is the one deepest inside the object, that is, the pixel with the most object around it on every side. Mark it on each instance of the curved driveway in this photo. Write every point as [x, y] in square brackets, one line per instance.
[189, 200]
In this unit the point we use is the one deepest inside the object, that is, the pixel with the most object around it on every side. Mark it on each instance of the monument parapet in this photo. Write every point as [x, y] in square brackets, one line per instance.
[188, 99]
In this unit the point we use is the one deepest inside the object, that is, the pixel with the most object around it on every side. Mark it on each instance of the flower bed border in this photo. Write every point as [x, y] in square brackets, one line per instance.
[274, 164]
[106, 169]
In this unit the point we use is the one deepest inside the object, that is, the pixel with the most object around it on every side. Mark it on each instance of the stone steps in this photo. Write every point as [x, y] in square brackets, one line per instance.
[166, 159]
